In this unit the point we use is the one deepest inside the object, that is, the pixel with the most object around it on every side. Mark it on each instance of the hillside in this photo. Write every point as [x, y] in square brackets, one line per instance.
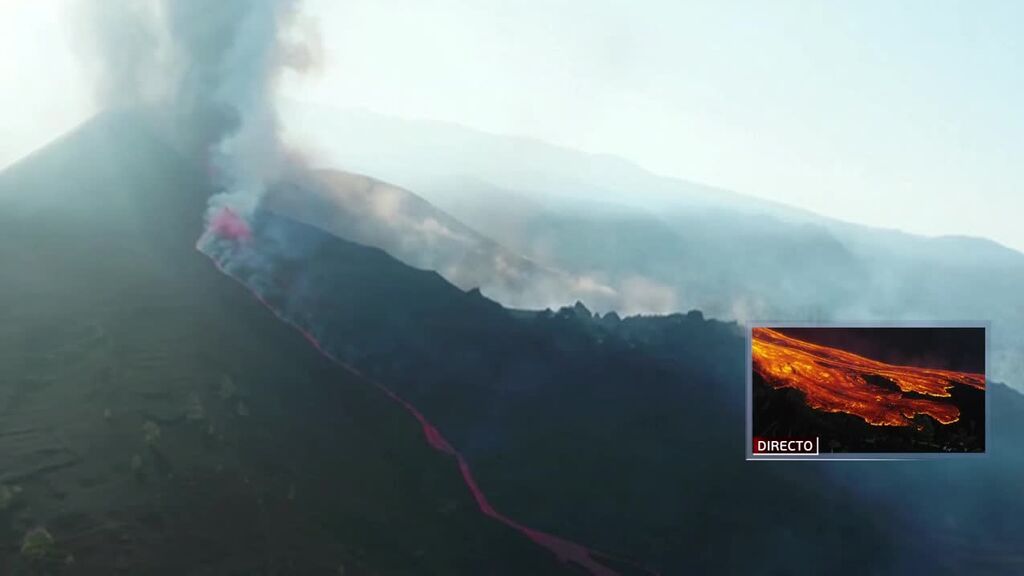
[157, 419]
[665, 244]
[376, 213]
[626, 434]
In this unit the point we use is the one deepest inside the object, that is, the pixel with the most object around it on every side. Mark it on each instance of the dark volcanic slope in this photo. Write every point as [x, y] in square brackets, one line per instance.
[156, 419]
[627, 435]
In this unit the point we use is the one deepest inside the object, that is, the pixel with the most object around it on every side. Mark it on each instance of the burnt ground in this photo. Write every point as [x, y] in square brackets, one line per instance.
[156, 419]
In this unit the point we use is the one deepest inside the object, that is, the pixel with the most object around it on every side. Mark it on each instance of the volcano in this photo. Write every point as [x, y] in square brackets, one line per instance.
[156, 418]
[160, 416]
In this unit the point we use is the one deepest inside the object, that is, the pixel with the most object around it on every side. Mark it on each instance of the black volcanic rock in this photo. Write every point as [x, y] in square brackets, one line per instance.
[156, 419]
[628, 435]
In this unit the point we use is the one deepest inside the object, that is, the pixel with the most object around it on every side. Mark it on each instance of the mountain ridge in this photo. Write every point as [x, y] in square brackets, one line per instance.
[455, 132]
[665, 247]
[155, 418]
[604, 401]
[375, 213]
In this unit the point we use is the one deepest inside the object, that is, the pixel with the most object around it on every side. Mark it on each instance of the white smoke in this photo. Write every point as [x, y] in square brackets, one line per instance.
[206, 71]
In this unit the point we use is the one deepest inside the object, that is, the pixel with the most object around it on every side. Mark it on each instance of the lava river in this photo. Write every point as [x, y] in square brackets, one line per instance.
[833, 380]
[229, 227]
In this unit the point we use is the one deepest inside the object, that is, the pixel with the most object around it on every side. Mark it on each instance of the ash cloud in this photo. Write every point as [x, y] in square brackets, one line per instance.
[205, 71]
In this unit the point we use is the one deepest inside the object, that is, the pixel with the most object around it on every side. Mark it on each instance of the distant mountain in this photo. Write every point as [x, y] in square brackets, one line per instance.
[157, 419]
[375, 213]
[664, 244]
[414, 153]
[626, 434]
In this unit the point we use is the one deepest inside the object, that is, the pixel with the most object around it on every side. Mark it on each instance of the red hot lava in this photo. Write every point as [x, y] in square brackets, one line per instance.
[834, 380]
[227, 224]
[565, 550]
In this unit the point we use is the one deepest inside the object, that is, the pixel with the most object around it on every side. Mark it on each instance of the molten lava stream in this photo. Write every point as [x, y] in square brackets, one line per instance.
[227, 226]
[834, 380]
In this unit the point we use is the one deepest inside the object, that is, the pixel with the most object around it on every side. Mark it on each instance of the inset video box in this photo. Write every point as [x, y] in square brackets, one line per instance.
[866, 392]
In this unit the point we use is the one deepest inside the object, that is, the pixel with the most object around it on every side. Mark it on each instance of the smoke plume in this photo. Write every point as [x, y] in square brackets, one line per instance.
[206, 71]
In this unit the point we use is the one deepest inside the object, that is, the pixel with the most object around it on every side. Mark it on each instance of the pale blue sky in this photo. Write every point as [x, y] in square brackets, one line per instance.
[896, 114]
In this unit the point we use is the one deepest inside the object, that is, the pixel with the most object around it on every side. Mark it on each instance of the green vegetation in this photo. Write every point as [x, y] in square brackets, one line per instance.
[151, 432]
[194, 411]
[38, 544]
[8, 494]
[227, 388]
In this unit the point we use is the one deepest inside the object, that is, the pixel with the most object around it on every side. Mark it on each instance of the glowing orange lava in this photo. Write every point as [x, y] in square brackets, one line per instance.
[834, 380]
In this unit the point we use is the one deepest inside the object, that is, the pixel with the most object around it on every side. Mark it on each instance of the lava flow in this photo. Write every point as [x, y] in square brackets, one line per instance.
[565, 550]
[833, 380]
[226, 224]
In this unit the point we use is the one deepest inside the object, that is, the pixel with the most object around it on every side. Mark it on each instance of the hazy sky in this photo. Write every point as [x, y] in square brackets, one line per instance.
[44, 89]
[898, 114]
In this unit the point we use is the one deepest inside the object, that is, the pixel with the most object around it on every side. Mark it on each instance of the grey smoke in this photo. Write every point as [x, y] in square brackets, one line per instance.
[677, 244]
[205, 71]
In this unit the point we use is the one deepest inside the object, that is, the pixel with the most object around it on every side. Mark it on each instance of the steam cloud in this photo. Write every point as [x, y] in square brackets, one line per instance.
[206, 70]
